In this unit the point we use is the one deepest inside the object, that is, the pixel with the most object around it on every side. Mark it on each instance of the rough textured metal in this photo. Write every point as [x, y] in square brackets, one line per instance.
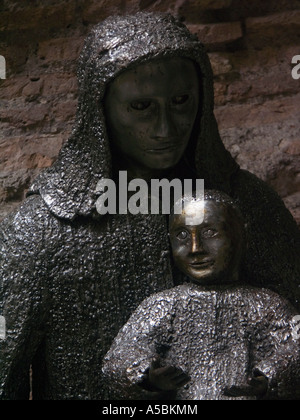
[69, 278]
[216, 335]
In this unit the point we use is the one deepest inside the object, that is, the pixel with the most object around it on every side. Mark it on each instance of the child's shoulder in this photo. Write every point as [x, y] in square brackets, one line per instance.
[266, 299]
[261, 293]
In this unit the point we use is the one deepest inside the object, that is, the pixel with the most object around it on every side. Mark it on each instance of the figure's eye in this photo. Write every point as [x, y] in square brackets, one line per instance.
[209, 233]
[140, 105]
[180, 100]
[182, 235]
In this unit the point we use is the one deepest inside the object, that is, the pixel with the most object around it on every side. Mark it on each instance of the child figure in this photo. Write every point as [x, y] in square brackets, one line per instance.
[211, 338]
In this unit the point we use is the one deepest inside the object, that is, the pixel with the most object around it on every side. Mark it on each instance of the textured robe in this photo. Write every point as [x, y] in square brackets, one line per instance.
[218, 336]
[69, 279]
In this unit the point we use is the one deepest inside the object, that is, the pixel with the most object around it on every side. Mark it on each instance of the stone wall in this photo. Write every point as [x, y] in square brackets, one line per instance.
[251, 44]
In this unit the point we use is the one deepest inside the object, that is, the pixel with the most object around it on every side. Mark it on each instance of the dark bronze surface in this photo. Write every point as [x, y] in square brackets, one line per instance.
[206, 252]
[69, 278]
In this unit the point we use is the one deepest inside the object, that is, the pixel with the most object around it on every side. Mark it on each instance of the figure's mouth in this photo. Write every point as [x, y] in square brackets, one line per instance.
[202, 264]
[163, 148]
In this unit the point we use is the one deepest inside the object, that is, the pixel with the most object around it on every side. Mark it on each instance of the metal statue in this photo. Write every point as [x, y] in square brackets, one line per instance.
[69, 277]
[214, 337]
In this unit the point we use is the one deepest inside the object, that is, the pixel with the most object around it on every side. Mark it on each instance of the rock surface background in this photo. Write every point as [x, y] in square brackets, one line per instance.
[251, 45]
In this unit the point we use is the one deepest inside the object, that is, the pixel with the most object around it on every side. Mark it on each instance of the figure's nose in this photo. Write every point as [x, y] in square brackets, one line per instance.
[196, 244]
[165, 127]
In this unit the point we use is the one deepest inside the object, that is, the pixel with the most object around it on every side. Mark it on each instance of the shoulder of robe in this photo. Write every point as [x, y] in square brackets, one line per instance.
[29, 225]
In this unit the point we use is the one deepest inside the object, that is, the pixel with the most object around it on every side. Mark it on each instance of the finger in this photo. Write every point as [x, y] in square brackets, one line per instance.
[259, 385]
[181, 377]
[155, 364]
[171, 371]
[239, 391]
[184, 379]
[161, 371]
[258, 381]
[177, 373]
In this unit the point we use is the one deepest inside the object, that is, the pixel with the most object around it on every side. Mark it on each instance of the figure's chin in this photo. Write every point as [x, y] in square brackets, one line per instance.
[206, 274]
[161, 164]
[162, 160]
[205, 279]
[212, 278]
[150, 162]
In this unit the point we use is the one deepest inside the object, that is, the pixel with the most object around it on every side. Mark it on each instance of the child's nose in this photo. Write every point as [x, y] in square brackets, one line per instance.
[197, 245]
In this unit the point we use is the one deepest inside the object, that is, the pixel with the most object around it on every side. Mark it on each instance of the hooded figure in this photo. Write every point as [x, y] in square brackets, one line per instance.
[71, 278]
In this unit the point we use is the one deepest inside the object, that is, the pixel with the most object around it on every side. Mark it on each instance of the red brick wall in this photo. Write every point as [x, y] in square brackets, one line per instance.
[251, 44]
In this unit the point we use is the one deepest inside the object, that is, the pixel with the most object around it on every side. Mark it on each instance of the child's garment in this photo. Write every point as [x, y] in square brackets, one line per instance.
[217, 336]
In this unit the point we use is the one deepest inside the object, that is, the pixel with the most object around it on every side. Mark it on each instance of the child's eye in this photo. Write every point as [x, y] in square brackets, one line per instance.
[140, 105]
[209, 233]
[182, 235]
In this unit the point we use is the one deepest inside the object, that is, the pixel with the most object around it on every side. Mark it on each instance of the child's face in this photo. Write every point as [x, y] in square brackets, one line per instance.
[204, 252]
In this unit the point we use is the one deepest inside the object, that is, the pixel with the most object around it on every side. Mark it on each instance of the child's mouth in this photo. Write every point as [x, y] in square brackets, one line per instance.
[201, 264]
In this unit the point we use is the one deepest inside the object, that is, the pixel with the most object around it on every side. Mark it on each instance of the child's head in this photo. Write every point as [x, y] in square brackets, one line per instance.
[209, 252]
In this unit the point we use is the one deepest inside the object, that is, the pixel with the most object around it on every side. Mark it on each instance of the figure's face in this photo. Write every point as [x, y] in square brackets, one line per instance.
[151, 111]
[203, 252]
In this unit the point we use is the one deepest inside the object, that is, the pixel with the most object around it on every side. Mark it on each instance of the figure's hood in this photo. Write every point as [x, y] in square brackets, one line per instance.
[115, 45]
